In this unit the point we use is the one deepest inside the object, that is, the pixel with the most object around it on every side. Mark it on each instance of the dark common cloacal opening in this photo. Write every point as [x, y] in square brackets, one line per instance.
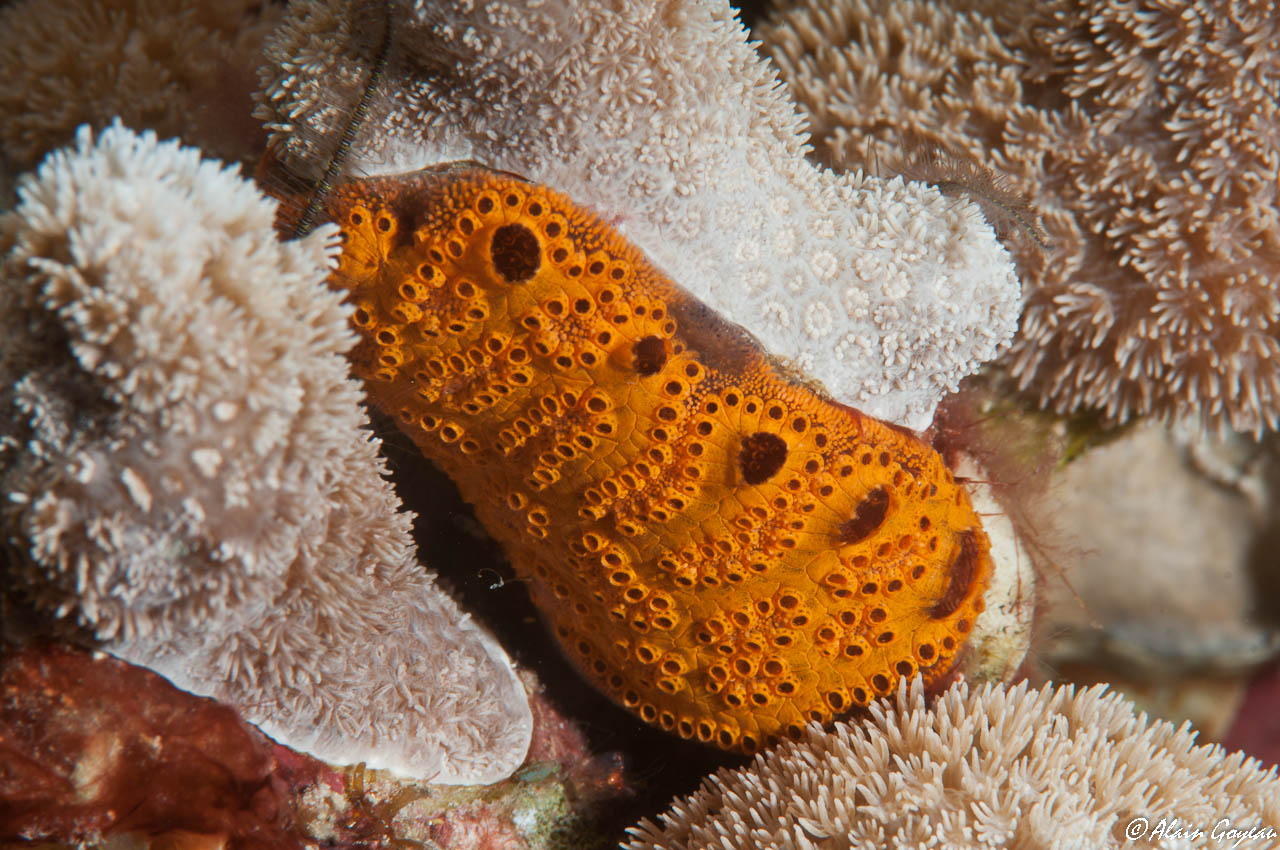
[761, 457]
[650, 355]
[961, 575]
[867, 517]
[515, 251]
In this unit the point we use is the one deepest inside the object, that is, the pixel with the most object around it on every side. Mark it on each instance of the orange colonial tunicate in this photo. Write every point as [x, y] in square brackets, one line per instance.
[718, 547]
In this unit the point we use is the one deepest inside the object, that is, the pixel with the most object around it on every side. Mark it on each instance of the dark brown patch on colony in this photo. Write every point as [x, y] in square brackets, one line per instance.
[516, 253]
[867, 517]
[761, 457]
[963, 571]
[650, 355]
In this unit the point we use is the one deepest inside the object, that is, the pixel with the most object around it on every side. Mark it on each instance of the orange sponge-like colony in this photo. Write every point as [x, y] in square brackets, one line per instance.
[719, 548]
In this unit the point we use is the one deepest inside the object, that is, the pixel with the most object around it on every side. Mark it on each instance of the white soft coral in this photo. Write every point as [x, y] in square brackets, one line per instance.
[662, 117]
[188, 468]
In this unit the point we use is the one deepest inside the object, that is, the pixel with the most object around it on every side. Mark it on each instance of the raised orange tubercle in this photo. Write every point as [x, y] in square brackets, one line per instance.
[719, 548]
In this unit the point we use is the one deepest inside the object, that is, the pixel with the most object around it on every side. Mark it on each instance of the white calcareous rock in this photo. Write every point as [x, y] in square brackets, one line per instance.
[1001, 635]
[1166, 535]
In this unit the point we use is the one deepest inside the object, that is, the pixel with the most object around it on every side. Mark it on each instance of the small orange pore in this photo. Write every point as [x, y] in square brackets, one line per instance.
[736, 554]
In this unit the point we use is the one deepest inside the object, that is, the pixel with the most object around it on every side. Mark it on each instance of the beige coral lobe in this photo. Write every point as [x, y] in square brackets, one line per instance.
[1147, 137]
[183, 69]
[990, 768]
[189, 475]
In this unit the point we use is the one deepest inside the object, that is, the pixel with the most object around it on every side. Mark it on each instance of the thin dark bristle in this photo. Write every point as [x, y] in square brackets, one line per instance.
[1005, 209]
[358, 114]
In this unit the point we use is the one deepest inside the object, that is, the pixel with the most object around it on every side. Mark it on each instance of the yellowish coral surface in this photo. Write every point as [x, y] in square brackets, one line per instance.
[720, 549]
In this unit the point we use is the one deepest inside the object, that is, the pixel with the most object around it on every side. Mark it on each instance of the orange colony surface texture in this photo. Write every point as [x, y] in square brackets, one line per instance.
[719, 548]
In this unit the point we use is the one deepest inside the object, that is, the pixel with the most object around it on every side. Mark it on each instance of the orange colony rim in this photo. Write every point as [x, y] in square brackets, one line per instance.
[717, 546]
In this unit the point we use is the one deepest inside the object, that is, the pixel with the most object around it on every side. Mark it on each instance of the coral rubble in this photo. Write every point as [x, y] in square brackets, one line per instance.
[97, 752]
[92, 748]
